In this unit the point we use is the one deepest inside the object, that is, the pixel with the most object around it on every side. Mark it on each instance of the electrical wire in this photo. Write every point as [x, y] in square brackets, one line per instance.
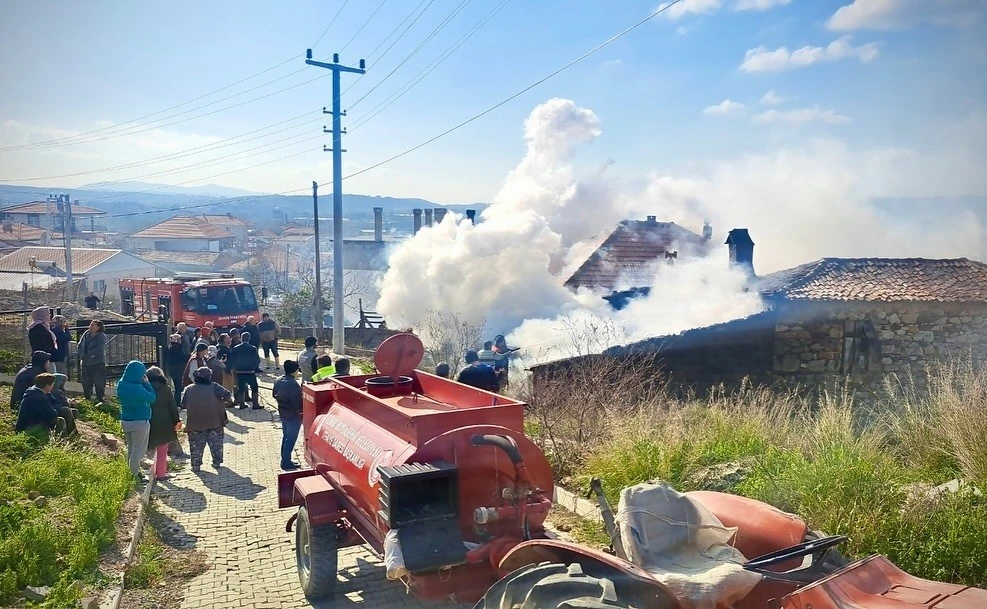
[396, 28]
[352, 38]
[332, 21]
[369, 115]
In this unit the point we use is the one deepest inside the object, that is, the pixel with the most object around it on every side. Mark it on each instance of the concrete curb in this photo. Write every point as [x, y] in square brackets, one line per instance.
[577, 505]
[116, 596]
[72, 387]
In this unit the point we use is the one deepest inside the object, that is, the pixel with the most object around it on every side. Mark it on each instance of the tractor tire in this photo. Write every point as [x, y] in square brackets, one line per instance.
[551, 586]
[316, 554]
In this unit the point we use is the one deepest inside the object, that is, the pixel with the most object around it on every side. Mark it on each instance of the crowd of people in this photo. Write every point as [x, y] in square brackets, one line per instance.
[205, 373]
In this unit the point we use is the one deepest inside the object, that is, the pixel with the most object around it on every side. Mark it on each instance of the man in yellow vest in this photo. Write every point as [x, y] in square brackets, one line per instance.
[325, 370]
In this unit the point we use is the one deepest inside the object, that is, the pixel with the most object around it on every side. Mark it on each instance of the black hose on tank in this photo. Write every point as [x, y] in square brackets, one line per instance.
[502, 442]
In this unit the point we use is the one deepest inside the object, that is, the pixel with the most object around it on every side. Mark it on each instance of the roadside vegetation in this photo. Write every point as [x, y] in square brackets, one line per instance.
[866, 470]
[59, 503]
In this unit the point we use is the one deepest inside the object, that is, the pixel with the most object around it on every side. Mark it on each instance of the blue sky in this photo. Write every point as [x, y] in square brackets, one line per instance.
[691, 87]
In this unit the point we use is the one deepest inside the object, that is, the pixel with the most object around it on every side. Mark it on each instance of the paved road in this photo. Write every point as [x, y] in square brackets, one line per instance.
[233, 517]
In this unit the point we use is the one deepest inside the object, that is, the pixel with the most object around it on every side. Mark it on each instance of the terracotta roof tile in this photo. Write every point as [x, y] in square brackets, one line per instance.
[44, 207]
[83, 259]
[880, 280]
[628, 254]
[224, 220]
[183, 227]
[163, 256]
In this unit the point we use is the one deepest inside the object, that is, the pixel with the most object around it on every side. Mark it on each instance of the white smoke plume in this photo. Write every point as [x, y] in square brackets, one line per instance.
[800, 204]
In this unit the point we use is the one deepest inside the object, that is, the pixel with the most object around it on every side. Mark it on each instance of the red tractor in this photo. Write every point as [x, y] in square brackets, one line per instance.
[439, 479]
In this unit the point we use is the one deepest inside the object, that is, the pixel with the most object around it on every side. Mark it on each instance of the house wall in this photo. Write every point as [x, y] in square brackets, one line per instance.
[815, 341]
[121, 266]
[811, 345]
[180, 245]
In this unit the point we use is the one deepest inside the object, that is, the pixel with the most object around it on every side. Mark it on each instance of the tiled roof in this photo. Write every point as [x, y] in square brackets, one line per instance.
[880, 280]
[44, 207]
[23, 232]
[628, 254]
[183, 227]
[83, 259]
[162, 256]
[298, 230]
[273, 257]
[38, 281]
[224, 220]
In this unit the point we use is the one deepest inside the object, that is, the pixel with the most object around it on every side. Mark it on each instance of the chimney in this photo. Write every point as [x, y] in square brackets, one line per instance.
[652, 219]
[707, 231]
[418, 221]
[428, 217]
[741, 249]
[471, 215]
[378, 224]
[440, 212]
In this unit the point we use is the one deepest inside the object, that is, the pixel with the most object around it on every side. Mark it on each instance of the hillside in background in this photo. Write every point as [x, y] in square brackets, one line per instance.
[151, 205]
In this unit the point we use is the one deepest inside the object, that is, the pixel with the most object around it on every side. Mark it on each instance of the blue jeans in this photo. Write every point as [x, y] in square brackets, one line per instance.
[290, 428]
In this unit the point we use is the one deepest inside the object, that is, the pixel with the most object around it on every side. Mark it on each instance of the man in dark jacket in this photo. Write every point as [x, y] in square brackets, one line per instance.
[288, 394]
[478, 375]
[246, 360]
[60, 358]
[37, 407]
[251, 334]
[25, 378]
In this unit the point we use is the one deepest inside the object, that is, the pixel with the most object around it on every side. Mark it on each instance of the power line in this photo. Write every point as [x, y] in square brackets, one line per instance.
[325, 31]
[432, 35]
[352, 38]
[429, 69]
[410, 25]
[146, 116]
[603, 44]
[396, 28]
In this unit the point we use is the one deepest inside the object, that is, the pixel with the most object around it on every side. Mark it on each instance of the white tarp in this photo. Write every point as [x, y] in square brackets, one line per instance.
[683, 545]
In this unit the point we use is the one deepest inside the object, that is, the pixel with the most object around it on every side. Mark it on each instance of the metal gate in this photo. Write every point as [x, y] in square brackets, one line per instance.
[126, 341]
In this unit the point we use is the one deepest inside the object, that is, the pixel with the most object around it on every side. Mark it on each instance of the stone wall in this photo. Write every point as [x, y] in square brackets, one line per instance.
[816, 342]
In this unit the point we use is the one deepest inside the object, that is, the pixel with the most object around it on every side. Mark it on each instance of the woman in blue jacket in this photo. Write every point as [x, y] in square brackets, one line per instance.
[136, 395]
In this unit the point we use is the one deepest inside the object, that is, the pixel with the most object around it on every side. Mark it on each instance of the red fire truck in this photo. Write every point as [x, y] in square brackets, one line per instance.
[223, 299]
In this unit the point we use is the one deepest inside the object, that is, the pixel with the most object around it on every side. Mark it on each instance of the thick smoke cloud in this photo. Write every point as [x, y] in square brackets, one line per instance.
[800, 204]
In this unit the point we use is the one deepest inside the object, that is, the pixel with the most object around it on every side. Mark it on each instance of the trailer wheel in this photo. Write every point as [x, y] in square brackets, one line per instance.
[316, 556]
[552, 586]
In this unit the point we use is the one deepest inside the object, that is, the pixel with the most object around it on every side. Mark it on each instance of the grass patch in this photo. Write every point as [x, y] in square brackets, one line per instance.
[55, 541]
[845, 468]
[103, 415]
[587, 532]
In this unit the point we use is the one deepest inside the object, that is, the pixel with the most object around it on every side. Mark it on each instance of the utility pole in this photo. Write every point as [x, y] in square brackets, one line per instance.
[338, 344]
[67, 239]
[318, 264]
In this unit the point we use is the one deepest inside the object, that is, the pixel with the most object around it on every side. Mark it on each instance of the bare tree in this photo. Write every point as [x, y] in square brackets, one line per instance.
[447, 337]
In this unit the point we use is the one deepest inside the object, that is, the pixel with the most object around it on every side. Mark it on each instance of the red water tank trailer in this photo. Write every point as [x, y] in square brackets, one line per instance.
[445, 466]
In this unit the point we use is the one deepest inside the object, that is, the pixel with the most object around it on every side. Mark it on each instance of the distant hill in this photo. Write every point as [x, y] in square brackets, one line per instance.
[209, 190]
[130, 211]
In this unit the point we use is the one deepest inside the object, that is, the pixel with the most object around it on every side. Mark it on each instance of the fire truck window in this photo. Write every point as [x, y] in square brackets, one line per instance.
[231, 300]
[190, 300]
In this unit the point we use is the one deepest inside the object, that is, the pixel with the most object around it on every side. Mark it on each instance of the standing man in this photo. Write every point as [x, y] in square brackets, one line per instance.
[182, 330]
[307, 358]
[477, 374]
[288, 394]
[60, 358]
[246, 360]
[269, 333]
[92, 301]
[251, 334]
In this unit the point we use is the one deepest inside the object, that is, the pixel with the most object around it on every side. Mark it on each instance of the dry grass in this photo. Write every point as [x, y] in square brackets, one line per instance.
[844, 467]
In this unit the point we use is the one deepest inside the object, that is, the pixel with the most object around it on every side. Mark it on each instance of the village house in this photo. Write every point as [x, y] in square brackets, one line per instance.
[183, 234]
[48, 215]
[97, 270]
[626, 261]
[849, 321]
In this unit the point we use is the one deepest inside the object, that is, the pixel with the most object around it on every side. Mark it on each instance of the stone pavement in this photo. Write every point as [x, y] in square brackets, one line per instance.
[233, 517]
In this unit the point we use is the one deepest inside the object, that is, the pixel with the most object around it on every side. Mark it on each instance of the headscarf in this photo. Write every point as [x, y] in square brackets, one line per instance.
[202, 375]
[42, 316]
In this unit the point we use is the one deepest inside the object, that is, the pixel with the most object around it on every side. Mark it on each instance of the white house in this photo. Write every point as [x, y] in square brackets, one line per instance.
[183, 234]
[96, 270]
[47, 215]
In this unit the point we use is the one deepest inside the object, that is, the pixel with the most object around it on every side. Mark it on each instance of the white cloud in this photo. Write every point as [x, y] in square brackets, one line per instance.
[801, 116]
[772, 99]
[892, 14]
[724, 108]
[759, 5]
[696, 7]
[762, 59]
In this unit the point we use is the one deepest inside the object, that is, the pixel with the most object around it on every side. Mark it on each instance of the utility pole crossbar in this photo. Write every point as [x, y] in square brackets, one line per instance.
[338, 344]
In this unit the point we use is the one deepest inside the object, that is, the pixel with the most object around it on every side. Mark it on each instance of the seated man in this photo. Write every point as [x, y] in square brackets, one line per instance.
[477, 374]
[37, 407]
[342, 367]
[63, 404]
[25, 378]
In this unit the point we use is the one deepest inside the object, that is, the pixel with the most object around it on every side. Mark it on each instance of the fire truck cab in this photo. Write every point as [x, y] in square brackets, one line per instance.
[223, 299]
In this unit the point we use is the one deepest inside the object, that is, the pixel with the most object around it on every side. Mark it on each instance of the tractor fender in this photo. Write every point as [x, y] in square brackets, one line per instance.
[319, 498]
[629, 579]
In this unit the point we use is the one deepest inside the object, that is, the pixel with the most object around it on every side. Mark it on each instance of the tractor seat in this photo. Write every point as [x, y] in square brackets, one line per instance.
[682, 545]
